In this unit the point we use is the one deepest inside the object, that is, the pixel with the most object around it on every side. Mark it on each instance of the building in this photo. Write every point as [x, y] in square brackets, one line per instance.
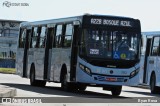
[9, 30]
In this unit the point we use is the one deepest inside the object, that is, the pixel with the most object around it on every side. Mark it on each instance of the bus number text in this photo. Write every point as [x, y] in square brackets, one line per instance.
[96, 21]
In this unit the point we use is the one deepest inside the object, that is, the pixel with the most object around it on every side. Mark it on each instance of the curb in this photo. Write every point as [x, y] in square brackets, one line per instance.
[6, 73]
[144, 86]
[6, 91]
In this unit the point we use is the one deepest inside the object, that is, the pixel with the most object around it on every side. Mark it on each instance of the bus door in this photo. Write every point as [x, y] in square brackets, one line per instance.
[74, 52]
[48, 52]
[25, 56]
[147, 52]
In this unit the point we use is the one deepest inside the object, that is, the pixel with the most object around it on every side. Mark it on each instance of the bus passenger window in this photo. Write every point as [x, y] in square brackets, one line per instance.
[22, 38]
[58, 36]
[34, 37]
[68, 35]
[38, 37]
[43, 37]
[155, 48]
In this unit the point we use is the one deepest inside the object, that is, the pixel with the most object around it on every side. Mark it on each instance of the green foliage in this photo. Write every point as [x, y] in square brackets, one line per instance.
[8, 70]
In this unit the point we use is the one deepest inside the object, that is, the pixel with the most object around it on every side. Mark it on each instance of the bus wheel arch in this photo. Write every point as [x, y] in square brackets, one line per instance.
[153, 87]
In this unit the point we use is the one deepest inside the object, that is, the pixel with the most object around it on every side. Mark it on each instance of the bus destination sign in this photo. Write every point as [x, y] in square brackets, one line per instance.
[110, 22]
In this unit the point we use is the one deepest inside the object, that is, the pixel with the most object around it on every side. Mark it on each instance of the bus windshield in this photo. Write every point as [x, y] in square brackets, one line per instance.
[100, 43]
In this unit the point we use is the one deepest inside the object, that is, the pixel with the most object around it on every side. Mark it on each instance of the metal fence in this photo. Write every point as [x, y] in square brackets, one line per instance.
[7, 63]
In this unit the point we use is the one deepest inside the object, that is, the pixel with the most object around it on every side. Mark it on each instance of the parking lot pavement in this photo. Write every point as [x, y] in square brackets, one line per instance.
[6, 91]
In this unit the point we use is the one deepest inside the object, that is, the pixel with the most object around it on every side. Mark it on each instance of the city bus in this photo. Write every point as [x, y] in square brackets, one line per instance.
[81, 51]
[151, 62]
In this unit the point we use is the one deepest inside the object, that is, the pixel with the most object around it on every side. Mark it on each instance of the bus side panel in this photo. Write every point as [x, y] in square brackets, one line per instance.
[151, 66]
[39, 63]
[30, 59]
[65, 59]
[59, 57]
[158, 72]
[36, 57]
[141, 73]
[19, 61]
[50, 73]
[56, 64]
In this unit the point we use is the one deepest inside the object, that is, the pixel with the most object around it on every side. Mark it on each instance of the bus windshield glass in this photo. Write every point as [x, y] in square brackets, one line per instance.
[109, 44]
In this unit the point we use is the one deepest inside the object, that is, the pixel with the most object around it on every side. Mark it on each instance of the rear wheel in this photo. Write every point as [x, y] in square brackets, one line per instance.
[116, 91]
[153, 87]
[41, 83]
[33, 81]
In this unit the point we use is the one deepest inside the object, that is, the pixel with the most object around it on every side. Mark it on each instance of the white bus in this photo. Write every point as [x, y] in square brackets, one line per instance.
[151, 65]
[81, 51]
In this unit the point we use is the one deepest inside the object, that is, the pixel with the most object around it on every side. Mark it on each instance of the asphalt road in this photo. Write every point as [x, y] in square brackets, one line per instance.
[91, 95]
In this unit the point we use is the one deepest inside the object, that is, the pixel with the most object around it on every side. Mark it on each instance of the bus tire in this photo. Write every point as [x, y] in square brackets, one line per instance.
[41, 83]
[82, 87]
[116, 91]
[64, 84]
[153, 87]
[33, 82]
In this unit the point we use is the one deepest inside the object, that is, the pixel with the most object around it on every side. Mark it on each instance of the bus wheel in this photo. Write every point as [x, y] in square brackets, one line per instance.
[153, 87]
[41, 83]
[64, 84]
[116, 91]
[32, 77]
[34, 82]
[82, 87]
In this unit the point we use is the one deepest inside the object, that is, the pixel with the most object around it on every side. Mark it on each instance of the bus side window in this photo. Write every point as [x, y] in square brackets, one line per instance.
[30, 38]
[155, 47]
[38, 37]
[68, 35]
[43, 37]
[34, 37]
[58, 36]
[22, 38]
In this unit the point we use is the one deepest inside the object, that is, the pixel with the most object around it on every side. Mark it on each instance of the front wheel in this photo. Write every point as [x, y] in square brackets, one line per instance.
[82, 87]
[116, 91]
[64, 84]
[153, 87]
[67, 86]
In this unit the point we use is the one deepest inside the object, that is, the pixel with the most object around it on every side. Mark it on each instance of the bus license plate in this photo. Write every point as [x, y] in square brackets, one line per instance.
[111, 79]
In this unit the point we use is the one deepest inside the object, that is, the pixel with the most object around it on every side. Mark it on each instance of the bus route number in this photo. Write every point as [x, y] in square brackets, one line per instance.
[96, 21]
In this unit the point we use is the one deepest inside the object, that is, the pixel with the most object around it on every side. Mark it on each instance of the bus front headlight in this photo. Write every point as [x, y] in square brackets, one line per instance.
[134, 73]
[88, 70]
[85, 69]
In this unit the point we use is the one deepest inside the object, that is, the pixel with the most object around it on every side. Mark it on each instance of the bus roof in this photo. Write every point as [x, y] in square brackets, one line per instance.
[69, 19]
[151, 33]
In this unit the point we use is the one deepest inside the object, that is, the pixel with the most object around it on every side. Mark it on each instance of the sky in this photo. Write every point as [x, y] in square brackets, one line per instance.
[147, 11]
